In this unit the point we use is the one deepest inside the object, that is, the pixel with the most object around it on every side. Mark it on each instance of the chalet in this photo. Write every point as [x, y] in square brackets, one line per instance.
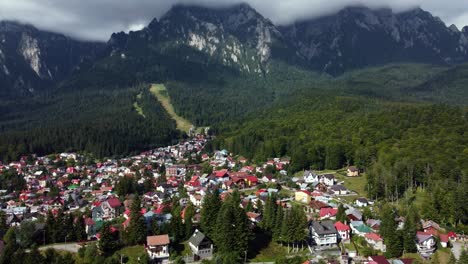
[90, 227]
[352, 171]
[425, 243]
[374, 224]
[361, 202]
[97, 213]
[196, 199]
[375, 241]
[353, 214]
[328, 179]
[430, 225]
[158, 248]
[251, 181]
[328, 213]
[323, 233]
[254, 217]
[310, 176]
[444, 240]
[200, 245]
[303, 196]
[111, 208]
[338, 190]
[359, 228]
[343, 230]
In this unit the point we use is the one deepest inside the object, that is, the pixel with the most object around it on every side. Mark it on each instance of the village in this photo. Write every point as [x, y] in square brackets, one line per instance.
[342, 225]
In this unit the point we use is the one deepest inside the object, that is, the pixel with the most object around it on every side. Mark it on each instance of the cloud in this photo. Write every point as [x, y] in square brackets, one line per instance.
[98, 19]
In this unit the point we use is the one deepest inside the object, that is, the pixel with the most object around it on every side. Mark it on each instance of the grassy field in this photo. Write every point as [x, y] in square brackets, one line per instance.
[132, 253]
[159, 90]
[357, 184]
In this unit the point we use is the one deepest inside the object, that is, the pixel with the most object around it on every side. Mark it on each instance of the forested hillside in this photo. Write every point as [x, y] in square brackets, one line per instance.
[104, 123]
[400, 145]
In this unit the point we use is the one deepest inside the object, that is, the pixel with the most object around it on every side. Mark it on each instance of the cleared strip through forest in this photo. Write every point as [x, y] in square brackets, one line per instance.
[160, 92]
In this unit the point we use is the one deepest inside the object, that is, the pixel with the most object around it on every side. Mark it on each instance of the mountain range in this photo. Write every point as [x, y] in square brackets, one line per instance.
[239, 38]
[220, 66]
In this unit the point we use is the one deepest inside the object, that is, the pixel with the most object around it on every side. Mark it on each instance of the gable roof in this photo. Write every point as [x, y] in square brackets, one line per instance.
[341, 227]
[114, 202]
[196, 238]
[157, 240]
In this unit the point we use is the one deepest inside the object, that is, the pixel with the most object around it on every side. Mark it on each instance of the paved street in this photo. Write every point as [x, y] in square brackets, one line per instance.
[70, 247]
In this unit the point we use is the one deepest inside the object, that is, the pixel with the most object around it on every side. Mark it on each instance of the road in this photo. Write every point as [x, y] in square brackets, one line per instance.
[70, 247]
[457, 249]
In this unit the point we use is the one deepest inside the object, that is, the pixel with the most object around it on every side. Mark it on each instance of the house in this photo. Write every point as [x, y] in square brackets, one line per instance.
[158, 248]
[338, 190]
[359, 228]
[323, 233]
[377, 260]
[376, 241]
[328, 179]
[328, 212]
[254, 217]
[353, 214]
[97, 213]
[343, 230]
[303, 196]
[200, 245]
[425, 243]
[310, 177]
[361, 202]
[352, 171]
[196, 199]
[111, 208]
[444, 240]
[90, 227]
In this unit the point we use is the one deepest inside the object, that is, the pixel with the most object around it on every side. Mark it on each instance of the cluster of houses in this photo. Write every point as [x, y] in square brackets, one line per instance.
[68, 182]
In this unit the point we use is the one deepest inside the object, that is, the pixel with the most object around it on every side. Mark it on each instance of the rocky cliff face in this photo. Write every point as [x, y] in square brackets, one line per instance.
[237, 36]
[357, 37]
[32, 60]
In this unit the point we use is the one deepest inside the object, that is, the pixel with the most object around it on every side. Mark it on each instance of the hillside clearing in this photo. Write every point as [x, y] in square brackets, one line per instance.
[159, 90]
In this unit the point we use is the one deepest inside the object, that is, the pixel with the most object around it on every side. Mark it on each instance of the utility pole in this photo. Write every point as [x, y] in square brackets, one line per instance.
[245, 256]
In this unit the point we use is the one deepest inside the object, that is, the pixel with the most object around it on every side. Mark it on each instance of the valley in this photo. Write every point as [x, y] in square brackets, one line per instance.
[340, 138]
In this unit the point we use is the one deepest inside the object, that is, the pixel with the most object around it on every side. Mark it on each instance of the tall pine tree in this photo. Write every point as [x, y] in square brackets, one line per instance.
[136, 230]
[209, 212]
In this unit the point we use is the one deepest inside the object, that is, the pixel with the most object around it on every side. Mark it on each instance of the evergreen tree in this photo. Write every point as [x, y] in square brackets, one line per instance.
[231, 233]
[341, 214]
[249, 207]
[177, 226]
[278, 223]
[298, 224]
[108, 243]
[34, 257]
[409, 232]
[259, 205]
[388, 230]
[3, 224]
[11, 246]
[269, 213]
[136, 230]
[188, 215]
[51, 227]
[80, 228]
[209, 212]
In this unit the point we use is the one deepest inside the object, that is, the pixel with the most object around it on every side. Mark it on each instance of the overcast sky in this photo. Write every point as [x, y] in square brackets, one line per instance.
[98, 19]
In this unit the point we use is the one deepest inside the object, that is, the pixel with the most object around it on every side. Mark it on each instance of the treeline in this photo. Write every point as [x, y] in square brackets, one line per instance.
[402, 147]
[104, 123]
